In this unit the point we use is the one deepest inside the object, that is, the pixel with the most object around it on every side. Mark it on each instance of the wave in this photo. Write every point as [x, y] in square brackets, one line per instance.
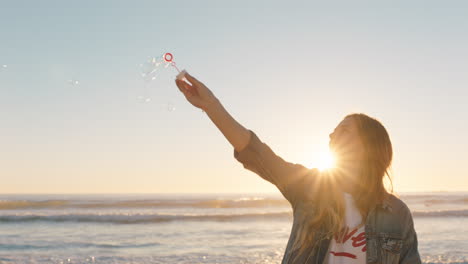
[74, 245]
[125, 218]
[446, 201]
[194, 203]
[455, 202]
[141, 218]
[441, 213]
[12, 205]
[428, 199]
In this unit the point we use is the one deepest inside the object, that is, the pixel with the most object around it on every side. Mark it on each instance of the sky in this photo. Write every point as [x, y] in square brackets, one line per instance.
[290, 72]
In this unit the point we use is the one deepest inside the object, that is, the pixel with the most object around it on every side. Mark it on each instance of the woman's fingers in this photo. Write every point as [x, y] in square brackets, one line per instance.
[191, 90]
[192, 80]
[183, 86]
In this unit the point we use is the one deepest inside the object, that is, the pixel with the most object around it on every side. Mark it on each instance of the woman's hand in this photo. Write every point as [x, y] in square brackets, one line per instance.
[200, 96]
[197, 93]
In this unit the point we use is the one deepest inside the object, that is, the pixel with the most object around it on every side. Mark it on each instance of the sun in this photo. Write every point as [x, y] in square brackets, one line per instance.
[323, 160]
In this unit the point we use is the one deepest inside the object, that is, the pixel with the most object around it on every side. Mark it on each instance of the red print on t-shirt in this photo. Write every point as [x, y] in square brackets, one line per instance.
[358, 241]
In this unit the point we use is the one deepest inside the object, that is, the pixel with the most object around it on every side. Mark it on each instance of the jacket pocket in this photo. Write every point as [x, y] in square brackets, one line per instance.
[390, 249]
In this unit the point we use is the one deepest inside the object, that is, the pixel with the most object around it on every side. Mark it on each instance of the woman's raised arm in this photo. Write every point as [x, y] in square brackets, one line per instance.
[255, 155]
[200, 96]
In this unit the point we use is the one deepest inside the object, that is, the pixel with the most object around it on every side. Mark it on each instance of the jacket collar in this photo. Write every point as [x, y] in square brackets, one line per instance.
[386, 203]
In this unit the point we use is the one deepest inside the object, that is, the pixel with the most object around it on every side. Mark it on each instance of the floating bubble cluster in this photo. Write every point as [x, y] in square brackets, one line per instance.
[150, 70]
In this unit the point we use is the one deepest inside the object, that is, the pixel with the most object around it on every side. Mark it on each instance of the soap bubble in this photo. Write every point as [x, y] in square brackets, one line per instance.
[144, 99]
[169, 106]
[73, 82]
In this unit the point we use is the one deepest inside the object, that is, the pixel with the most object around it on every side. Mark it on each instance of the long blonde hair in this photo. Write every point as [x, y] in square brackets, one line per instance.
[325, 217]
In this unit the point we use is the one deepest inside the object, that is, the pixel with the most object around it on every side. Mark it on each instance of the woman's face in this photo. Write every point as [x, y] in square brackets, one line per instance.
[346, 144]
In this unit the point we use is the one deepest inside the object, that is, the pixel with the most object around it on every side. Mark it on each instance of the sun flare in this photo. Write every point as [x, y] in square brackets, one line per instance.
[324, 160]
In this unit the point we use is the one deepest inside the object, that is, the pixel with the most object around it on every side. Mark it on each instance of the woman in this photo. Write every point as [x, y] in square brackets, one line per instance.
[341, 215]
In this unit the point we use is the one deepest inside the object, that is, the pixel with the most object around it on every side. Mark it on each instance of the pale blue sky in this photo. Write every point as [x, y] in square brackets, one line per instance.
[288, 71]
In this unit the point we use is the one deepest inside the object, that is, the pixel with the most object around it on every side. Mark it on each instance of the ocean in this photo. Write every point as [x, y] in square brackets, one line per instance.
[191, 228]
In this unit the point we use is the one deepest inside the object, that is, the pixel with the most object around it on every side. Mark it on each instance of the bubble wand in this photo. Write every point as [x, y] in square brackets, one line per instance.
[181, 76]
[168, 57]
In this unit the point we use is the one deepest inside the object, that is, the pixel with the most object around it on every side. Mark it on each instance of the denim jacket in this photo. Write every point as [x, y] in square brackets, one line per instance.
[389, 229]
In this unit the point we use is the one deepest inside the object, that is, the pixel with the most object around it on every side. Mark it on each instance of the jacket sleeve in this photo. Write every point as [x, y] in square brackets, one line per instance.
[288, 177]
[410, 253]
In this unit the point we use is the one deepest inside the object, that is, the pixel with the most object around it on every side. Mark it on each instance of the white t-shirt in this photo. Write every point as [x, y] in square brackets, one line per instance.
[351, 249]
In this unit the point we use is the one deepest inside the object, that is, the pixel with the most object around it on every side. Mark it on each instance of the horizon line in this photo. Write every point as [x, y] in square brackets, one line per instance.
[194, 193]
